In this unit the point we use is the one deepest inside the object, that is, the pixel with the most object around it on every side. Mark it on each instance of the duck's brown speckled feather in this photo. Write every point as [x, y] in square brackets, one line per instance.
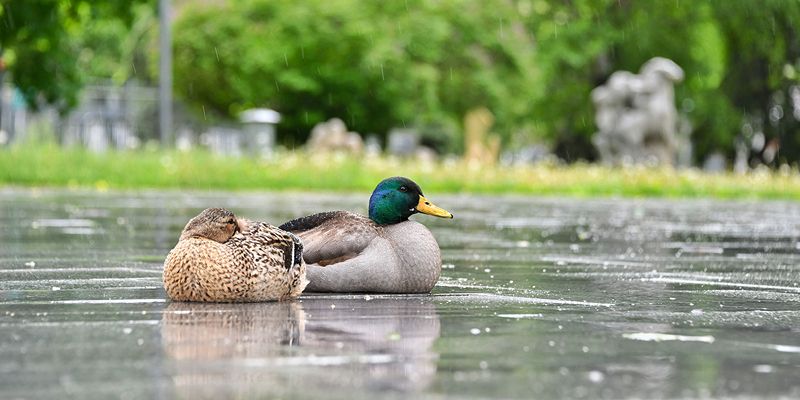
[256, 265]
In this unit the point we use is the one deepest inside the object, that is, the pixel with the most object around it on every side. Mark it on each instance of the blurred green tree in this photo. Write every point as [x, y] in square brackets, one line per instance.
[741, 60]
[762, 74]
[51, 47]
[531, 62]
[374, 64]
[425, 63]
[581, 43]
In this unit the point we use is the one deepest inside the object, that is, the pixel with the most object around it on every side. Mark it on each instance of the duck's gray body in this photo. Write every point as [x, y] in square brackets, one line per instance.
[347, 252]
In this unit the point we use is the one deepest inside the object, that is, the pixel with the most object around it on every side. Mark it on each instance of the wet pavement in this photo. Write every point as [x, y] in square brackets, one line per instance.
[539, 298]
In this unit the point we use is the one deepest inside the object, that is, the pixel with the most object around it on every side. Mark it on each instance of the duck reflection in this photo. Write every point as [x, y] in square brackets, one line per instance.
[219, 331]
[394, 335]
[378, 343]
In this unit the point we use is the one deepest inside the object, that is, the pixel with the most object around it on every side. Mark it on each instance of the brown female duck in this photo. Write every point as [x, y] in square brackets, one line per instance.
[221, 258]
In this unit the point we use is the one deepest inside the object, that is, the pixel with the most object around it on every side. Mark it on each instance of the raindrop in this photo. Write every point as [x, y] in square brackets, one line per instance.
[763, 368]
[502, 30]
[596, 376]
[775, 113]
[794, 93]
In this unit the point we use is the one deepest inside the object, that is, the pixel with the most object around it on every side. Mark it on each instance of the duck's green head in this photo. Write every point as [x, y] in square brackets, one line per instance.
[395, 199]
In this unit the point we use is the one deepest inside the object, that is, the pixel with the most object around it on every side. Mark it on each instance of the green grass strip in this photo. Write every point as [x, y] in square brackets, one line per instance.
[48, 165]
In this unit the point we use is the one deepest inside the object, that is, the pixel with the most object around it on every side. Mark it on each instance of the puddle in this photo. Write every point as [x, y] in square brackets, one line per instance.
[539, 298]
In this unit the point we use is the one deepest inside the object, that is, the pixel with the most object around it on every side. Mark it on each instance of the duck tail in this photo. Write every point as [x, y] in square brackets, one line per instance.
[293, 255]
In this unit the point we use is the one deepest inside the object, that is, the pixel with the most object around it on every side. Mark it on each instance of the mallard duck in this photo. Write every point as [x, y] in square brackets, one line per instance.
[221, 258]
[382, 253]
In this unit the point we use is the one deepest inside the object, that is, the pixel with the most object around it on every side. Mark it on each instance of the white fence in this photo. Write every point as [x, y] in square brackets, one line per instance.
[106, 117]
[113, 117]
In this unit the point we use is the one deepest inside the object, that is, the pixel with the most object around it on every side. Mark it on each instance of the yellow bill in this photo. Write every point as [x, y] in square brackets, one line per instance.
[426, 207]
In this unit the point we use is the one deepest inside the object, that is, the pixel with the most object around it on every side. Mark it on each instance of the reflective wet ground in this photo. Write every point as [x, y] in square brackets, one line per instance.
[540, 298]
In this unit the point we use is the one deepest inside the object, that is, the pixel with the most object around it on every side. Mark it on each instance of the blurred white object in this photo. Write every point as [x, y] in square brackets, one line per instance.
[259, 130]
[333, 136]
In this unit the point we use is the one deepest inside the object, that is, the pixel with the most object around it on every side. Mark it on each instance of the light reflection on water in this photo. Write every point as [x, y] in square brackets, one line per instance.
[550, 298]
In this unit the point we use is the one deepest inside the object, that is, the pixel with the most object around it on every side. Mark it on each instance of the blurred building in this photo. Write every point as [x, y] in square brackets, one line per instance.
[110, 117]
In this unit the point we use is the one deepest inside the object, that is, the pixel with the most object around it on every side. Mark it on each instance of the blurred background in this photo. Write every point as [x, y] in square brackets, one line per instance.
[505, 81]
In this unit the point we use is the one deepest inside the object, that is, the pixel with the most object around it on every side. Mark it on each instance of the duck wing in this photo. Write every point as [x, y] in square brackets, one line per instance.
[332, 237]
[270, 244]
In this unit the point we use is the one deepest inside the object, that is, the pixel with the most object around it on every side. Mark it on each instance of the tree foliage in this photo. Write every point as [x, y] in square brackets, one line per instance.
[736, 56]
[426, 63]
[763, 69]
[532, 62]
[374, 64]
[52, 47]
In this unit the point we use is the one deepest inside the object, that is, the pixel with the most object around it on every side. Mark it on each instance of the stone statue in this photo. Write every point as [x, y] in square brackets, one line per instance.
[333, 136]
[636, 115]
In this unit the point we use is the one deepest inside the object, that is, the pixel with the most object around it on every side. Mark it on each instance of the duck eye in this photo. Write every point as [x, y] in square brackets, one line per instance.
[403, 189]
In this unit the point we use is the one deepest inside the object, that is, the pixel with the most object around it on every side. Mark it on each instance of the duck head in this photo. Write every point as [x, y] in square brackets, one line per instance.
[217, 224]
[395, 199]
